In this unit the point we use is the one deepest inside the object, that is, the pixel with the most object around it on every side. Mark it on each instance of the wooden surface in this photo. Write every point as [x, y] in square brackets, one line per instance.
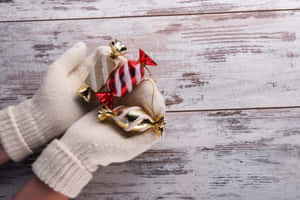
[230, 67]
[18, 10]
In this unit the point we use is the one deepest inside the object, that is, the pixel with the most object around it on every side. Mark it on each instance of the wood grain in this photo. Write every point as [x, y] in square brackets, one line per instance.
[240, 59]
[12, 10]
[244, 154]
[205, 62]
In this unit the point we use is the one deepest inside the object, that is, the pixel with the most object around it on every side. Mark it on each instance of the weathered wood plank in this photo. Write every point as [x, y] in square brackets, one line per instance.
[205, 62]
[244, 154]
[11, 10]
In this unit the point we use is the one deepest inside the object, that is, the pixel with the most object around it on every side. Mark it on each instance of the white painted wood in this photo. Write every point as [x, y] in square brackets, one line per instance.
[11, 10]
[215, 61]
[228, 155]
[205, 62]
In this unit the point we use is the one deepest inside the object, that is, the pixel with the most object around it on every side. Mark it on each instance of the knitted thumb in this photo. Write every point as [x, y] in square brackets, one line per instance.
[32, 123]
[67, 165]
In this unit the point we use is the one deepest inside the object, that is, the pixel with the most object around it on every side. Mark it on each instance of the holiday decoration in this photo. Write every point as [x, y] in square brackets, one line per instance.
[123, 79]
[132, 119]
[104, 66]
[115, 75]
[117, 49]
[85, 93]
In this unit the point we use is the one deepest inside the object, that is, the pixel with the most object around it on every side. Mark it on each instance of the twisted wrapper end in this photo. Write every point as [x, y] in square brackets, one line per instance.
[117, 49]
[159, 126]
[85, 93]
[105, 112]
[145, 60]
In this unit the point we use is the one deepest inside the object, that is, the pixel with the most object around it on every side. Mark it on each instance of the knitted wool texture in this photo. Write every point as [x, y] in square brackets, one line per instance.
[55, 106]
[66, 165]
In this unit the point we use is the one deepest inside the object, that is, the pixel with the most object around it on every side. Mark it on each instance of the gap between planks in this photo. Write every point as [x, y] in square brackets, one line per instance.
[148, 16]
[233, 109]
[271, 31]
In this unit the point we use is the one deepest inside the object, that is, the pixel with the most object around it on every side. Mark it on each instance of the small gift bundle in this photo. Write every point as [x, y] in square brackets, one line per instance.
[114, 76]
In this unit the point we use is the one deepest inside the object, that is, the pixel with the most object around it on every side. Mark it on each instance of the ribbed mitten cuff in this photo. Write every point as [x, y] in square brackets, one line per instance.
[61, 170]
[23, 128]
[11, 137]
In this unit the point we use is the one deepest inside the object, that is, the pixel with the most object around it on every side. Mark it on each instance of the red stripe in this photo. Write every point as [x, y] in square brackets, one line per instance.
[142, 71]
[124, 88]
[132, 69]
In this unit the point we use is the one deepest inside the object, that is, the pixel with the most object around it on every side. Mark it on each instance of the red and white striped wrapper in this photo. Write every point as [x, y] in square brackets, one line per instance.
[104, 66]
[124, 78]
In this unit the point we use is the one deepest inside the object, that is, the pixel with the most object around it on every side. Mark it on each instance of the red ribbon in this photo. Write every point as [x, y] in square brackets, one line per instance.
[106, 98]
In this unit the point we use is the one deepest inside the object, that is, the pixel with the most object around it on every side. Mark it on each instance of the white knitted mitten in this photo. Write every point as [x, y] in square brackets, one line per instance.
[66, 165]
[54, 107]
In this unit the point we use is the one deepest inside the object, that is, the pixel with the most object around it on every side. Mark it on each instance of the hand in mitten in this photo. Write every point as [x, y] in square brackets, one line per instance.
[66, 165]
[54, 107]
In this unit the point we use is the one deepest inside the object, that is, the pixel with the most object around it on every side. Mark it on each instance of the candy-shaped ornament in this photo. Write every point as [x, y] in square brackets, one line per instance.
[124, 78]
[107, 59]
[117, 76]
[132, 119]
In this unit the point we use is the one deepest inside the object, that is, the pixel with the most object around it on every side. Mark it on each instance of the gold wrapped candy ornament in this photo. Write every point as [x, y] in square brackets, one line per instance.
[132, 119]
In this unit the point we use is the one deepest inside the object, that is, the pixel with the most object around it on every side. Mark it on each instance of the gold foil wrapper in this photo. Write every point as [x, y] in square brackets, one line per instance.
[85, 93]
[117, 48]
[132, 119]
